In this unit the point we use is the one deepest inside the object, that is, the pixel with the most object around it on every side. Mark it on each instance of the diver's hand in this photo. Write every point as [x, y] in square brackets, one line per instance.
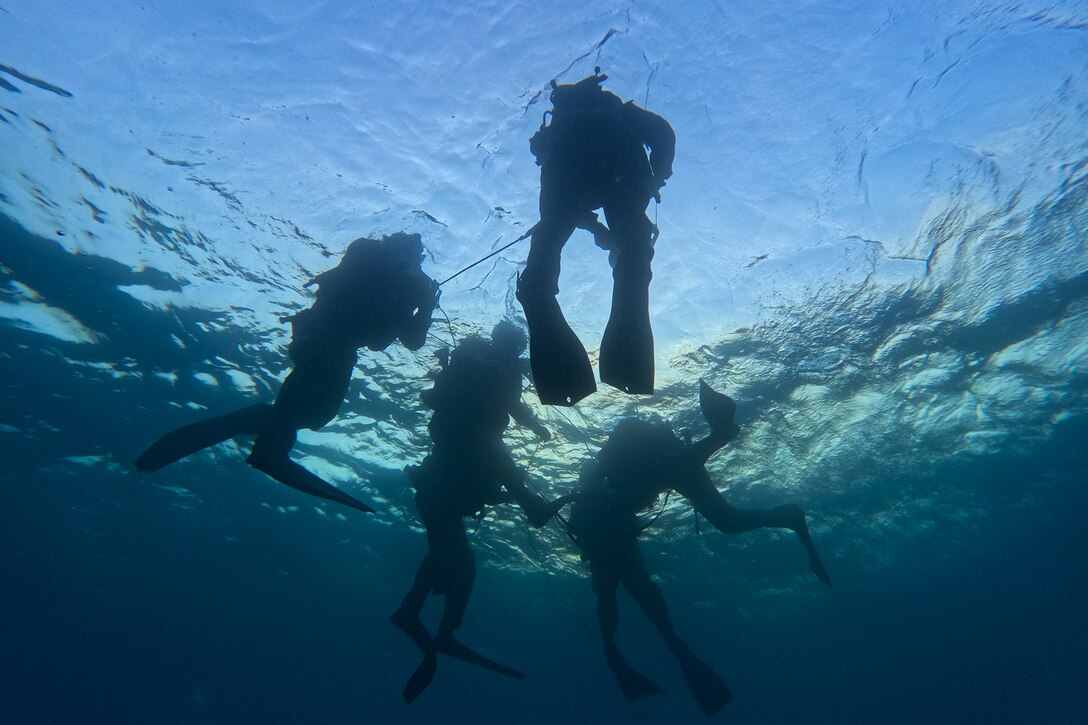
[435, 293]
[540, 513]
[656, 184]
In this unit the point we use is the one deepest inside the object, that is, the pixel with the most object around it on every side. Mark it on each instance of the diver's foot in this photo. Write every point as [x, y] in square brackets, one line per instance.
[409, 623]
[633, 684]
[795, 516]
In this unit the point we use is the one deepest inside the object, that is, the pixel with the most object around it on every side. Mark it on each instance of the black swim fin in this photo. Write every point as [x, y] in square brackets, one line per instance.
[424, 674]
[562, 372]
[633, 684]
[627, 357]
[419, 681]
[718, 409]
[627, 348]
[189, 439]
[453, 648]
[706, 686]
[411, 625]
[289, 473]
[421, 678]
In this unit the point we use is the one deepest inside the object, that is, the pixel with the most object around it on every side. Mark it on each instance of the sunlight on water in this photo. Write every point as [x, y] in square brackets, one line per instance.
[883, 263]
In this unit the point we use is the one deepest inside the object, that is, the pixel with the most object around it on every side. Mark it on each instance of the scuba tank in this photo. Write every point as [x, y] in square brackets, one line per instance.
[584, 95]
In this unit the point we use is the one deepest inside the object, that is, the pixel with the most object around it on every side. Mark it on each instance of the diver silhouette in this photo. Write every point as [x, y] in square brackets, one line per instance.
[641, 460]
[591, 156]
[474, 396]
[377, 294]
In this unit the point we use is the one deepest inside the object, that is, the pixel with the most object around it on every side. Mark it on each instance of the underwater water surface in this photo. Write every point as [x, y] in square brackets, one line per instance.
[874, 240]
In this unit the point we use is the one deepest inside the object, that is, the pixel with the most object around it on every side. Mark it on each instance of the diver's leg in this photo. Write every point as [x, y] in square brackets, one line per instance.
[605, 583]
[270, 455]
[705, 685]
[458, 589]
[189, 439]
[308, 398]
[462, 577]
[605, 580]
[798, 522]
[562, 373]
[627, 348]
[728, 519]
[313, 392]
[432, 573]
[406, 618]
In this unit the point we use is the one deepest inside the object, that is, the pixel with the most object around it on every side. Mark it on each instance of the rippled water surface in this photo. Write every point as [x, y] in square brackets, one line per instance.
[874, 240]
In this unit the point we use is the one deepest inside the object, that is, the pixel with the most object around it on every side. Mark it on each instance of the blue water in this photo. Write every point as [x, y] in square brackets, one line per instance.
[874, 240]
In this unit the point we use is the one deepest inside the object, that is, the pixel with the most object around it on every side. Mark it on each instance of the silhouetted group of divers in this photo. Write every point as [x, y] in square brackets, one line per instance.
[592, 156]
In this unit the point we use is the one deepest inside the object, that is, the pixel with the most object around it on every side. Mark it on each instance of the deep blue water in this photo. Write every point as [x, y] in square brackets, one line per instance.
[874, 240]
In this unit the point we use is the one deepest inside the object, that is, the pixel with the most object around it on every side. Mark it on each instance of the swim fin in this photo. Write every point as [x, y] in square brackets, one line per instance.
[421, 678]
[289, 473]
[562, 372]
[627, 359]
[627, 348]
[189, 439]
[633, 684]
[718, 409]
[411, 625]
[705, 685]
[424, 674]
[453, 648]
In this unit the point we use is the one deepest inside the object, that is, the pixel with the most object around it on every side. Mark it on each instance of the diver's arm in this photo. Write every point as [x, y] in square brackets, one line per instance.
[697, 488]
[523, 416]
[602, 235]
[537, 509]
[701, 450]
[655, 132]
[415, 332]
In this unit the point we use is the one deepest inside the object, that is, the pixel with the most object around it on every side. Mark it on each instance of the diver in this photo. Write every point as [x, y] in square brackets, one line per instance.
[474, 396]
[641, 460]
[377, 294]
[592, 155]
